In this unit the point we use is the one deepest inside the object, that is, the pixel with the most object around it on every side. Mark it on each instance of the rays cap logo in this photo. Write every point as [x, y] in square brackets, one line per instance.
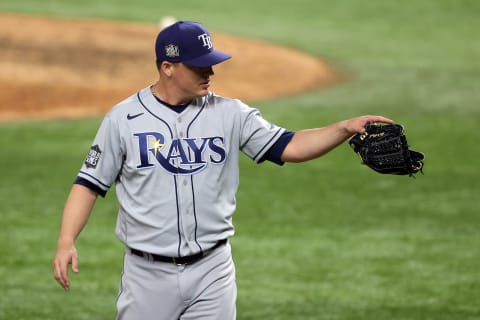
[188, 42]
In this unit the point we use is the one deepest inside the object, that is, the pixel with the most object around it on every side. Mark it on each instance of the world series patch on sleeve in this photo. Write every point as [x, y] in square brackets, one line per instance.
[384, 148]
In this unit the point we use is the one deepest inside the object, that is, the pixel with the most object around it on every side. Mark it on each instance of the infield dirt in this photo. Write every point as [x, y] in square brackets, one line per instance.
[68, 68]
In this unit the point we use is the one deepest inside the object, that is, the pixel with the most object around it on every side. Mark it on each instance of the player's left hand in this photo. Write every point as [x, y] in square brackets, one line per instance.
[357, 125]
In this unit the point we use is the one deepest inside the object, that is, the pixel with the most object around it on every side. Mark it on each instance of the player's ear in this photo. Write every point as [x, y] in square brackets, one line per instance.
[166, 68]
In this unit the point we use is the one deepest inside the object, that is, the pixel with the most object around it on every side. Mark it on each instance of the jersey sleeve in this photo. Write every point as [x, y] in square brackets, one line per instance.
[91, 186]
[104, 160]
[257, 135]
[274, 154]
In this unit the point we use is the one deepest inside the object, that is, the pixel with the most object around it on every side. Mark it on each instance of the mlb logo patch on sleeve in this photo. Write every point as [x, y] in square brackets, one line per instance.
[93, 156]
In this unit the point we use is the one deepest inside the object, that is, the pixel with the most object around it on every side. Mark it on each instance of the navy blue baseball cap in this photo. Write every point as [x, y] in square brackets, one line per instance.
[188, 42]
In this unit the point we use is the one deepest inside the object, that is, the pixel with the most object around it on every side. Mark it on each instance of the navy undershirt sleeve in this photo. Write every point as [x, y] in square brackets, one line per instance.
[91, 186]
[274, 154]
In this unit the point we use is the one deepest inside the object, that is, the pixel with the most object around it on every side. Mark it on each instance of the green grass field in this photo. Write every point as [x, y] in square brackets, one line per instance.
[328, 239]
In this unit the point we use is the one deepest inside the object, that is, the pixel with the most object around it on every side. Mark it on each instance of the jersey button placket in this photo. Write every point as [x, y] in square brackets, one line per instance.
[180, 130]
[186, 209]
[185, 193]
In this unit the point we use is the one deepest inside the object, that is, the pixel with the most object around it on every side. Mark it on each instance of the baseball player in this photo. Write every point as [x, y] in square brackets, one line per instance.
[172, 151]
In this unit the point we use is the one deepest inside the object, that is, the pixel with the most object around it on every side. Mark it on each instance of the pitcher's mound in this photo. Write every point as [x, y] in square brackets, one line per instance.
[63, 68]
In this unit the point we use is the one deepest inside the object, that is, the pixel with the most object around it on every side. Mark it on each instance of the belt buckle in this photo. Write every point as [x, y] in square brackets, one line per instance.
[148, 257]
[174, 260]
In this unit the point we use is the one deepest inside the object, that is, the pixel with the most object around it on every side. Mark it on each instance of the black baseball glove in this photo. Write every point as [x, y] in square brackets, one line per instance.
[384, 148]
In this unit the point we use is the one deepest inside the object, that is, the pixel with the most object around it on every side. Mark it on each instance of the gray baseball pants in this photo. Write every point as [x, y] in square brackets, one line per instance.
[164, 291]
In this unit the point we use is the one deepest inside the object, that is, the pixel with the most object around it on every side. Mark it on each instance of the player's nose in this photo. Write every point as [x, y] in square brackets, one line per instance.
[208, 71]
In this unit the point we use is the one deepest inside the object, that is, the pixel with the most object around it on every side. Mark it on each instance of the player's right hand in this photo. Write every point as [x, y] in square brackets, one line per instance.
[65, 255]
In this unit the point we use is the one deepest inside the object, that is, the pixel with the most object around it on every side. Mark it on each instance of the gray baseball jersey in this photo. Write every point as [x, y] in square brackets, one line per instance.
[176, 174]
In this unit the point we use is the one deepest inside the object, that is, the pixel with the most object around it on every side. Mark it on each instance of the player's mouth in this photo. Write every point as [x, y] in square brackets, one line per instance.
[205, 84]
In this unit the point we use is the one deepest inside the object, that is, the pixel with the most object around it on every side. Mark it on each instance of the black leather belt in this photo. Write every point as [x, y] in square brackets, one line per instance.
[177, 260]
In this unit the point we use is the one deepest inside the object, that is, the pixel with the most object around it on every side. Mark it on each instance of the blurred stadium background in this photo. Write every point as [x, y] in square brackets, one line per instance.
[327, 239]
